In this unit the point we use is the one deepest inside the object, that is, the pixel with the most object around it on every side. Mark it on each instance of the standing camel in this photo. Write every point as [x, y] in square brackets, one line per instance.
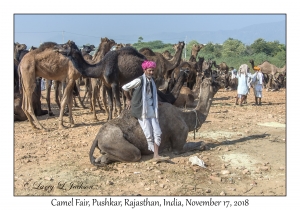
[269, 70]
[45, 62]
[96, 84]
[122, 139]
[115, 69]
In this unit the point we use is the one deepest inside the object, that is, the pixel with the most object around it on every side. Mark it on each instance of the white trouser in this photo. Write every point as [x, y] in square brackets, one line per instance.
[152, 131]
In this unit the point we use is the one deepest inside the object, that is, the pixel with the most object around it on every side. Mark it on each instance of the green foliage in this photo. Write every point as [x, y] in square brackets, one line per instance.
[233, 48]
[233, 52]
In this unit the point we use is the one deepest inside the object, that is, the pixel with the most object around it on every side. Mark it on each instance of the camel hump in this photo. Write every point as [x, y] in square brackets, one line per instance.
[132, 51]
[147, 51]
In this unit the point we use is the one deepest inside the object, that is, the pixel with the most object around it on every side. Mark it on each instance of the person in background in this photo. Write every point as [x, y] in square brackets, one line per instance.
[243, 88]
[144, 106]
[257, 81]
[43, 84]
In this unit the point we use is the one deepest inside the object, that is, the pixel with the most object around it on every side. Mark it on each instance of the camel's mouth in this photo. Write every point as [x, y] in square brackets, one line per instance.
[62, 50]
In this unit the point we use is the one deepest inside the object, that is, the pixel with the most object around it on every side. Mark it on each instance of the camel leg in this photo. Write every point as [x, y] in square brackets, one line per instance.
[104, 100]
[98, 95]
[48, 91]
[66, 98]
[116, 93]
[94, 95]
[116, 148]
[27, 106]
[56, 93]
[110, 102]
[87, 91]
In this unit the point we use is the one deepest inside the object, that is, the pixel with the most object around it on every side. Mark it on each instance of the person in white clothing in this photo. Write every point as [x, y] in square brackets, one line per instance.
[144, 106]
[257, 81]
[243, 84]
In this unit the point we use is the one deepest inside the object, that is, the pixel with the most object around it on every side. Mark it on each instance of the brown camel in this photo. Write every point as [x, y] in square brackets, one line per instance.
[45, 62]
[122, 139]
[270, 72]
[163, 66]
[115, 69]
[167, 55]
[185, 99]
[268, 68]
[194, 52]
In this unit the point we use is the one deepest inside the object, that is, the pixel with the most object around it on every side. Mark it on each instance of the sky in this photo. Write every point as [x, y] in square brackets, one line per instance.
[33, 29]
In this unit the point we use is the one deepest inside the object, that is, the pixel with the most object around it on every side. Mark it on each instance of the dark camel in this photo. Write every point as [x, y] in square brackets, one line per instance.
[115, 69]
[122, 139]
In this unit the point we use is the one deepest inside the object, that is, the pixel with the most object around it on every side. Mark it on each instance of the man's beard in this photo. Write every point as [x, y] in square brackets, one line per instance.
[149, 76]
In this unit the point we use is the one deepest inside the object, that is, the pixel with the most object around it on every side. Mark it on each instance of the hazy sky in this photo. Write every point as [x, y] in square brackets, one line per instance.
[34, 29]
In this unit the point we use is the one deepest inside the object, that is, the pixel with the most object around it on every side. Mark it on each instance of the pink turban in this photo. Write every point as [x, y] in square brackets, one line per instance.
[148, 64]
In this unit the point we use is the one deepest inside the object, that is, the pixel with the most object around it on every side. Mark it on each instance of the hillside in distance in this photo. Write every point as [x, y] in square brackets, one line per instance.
[269, 32]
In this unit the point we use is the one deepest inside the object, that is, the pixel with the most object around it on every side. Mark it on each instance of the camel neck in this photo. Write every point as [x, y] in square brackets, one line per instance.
[85, 68]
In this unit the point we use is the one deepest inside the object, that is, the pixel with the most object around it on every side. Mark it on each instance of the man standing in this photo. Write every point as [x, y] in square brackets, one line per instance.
[257, 80]
[144, 106]
[243, 88]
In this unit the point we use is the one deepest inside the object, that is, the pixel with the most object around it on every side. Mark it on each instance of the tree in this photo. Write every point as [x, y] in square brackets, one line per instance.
[233, 48]
[140, 39]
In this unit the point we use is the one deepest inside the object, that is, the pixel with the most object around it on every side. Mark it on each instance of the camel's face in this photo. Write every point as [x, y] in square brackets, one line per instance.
[88, 49]
[20, 47]
[64, 49]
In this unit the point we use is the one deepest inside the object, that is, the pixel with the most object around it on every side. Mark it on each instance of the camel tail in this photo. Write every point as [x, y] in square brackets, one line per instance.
[92, 158]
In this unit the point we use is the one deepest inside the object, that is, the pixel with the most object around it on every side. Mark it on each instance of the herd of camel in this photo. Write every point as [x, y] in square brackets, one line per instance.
[112, 65]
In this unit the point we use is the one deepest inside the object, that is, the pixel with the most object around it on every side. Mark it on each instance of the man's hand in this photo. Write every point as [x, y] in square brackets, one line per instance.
[128, 104]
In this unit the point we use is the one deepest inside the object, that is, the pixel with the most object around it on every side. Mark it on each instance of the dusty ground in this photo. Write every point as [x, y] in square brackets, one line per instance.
[245, 155]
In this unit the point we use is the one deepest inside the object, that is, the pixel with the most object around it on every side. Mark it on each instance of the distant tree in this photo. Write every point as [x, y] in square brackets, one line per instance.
[233, 47]
[140, 39]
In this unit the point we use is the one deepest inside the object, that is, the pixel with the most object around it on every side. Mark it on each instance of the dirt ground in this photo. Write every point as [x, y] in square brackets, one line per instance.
[245, 154]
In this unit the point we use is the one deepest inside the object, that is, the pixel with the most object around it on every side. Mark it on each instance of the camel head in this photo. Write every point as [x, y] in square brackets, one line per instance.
[196, 47]
[251, 61]
[66, 48]
[19, 47]
[88, 49]
[32, 48]
[209, 87]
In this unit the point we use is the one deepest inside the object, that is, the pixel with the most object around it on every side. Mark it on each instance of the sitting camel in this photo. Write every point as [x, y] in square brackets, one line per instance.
[45, 62]
[122, 139]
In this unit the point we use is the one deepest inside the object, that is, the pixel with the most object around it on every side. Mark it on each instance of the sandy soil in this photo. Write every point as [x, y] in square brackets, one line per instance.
[245, 154]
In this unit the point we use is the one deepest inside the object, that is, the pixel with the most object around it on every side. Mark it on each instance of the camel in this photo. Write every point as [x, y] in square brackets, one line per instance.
[45, 62]
[96, 83]
[115, 69]
[167, 55]
[86, 49]
[17, 49]
[194, 52]
[185, 99]
[123, 140]
[270, 70]
[174, 87]
[163, 66]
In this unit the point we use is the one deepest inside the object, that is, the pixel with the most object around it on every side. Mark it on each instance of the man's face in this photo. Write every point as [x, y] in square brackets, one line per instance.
[149, 72]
